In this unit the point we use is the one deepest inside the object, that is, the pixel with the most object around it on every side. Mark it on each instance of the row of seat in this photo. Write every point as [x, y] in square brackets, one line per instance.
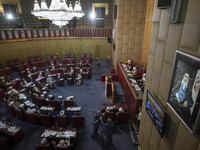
[46, 120]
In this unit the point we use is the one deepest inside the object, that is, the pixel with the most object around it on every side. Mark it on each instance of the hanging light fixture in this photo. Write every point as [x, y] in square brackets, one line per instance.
[58, 11]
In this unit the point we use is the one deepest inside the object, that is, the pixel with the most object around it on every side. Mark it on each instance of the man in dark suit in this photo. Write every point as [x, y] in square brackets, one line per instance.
[107, 130]
[60, 79]
[96, 124]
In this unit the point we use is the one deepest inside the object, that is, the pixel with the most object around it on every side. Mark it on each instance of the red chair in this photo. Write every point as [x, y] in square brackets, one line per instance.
[103, 77]
[65, 61]
[21, 69]
[122, 117]
[20, 114]
[109, 115]
[2, 94]
[31, 118]
[43, 147]
[69, 103]
[112, 71]
[4, 142]
[46, 121]
[62, 121]
[12, 110]
[40, 102]
[19, 136]
[77, 121]
[54, 103]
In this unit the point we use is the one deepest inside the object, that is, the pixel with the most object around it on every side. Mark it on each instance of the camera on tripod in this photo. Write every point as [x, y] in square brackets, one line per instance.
[99, 63]
[98, 69]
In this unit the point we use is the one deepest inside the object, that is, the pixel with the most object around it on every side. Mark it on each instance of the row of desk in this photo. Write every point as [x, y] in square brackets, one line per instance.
[12, 130]
[133, 97]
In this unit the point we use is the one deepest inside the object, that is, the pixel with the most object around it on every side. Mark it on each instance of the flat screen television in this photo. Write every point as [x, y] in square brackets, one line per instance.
[156, 113]
[164, 3]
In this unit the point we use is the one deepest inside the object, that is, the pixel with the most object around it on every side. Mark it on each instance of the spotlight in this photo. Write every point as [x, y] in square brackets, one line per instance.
[92, 16]
[9, 16]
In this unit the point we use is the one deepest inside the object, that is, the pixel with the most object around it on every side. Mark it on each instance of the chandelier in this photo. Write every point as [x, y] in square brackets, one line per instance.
[58, 11]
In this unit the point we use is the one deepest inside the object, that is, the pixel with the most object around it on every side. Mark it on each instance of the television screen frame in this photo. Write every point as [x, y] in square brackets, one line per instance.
[187, 109]
[158, 108]
[162, 4]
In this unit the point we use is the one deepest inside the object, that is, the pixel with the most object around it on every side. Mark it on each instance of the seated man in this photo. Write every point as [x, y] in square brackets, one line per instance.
[71, 71]
[13, 93]
[28, 71]
[50, 81]
[138, 72]
[107, 130]
[121, 109]
[60, 65]
[63, 143]
[70, 79]
[47, 72]
[36, 90]
[79, 79]
[52, 67]
[60, 79]
[44, 141]
[39, 84]
[141, 82]
[40, 76]
[130, 65]
[34, 70]
[3, 82]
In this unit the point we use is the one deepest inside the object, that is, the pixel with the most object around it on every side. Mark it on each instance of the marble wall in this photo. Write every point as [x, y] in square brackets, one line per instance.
[129, 30]
[166, 38]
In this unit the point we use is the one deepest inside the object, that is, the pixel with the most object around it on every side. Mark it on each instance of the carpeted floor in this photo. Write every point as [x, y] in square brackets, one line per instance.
[90, 95]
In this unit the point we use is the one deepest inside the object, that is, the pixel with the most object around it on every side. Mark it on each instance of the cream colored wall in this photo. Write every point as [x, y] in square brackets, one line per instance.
[129, 30]
[98, 47]
[166, 38]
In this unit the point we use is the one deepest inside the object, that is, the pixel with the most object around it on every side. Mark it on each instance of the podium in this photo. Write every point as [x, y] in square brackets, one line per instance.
[109, 89]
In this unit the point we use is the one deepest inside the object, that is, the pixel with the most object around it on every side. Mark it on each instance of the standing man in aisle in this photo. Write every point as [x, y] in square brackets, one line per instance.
[107, 131]
[96, 124]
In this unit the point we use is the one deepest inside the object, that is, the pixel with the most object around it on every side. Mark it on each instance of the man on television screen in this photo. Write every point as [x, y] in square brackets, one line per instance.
[182, 99]
[182, 92]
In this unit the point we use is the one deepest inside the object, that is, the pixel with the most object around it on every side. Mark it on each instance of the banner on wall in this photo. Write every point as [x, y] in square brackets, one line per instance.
[28, 33]
[22, 32]
[10, 36]
[52, 32]
[62, 32]
[34, 33]
[67, 33]
[3, 36]
[40, 33]
[46, 33]
[16, 34]
[57, 33]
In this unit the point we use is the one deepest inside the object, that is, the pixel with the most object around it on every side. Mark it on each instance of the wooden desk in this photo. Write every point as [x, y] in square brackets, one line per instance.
[73, 109]
[6, 71]
[133, 98]
[16, 134]
[60, 133]
[115, 106]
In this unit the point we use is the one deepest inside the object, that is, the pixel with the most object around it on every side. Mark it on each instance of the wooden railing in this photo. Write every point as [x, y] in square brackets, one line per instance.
[16, 34]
